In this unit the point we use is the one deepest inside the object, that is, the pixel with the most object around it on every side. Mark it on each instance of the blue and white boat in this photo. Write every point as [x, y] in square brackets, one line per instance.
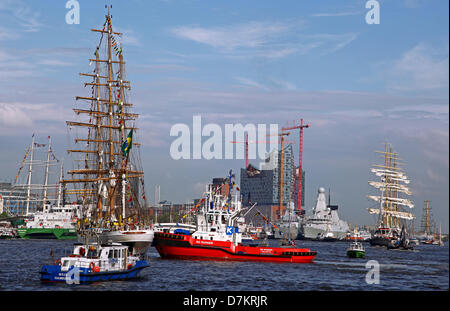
[94, 263]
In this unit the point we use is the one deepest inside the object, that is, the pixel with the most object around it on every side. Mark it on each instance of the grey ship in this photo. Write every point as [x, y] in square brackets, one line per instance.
[289, 221]
[324, 220]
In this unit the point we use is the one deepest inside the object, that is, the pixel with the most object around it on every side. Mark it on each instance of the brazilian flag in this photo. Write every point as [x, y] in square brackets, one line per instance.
[127, 144]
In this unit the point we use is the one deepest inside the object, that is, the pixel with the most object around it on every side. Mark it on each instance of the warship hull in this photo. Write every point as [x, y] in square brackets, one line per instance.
[311, 233]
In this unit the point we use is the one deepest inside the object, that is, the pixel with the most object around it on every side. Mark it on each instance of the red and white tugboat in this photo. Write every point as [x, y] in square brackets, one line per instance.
[217, 236]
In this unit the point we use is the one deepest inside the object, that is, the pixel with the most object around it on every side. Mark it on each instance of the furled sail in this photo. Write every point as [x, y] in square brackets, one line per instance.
[402, 215]
[383, 186]
[383, 199]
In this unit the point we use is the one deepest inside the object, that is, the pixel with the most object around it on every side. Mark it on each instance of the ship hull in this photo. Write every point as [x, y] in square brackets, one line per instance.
[177, 246]
[283, 233]
[139, 240]
[311, 233]
[379, 241]
[47, 233]
[356, 254]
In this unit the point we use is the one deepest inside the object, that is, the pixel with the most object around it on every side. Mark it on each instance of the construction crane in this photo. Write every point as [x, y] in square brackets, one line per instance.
[246, 148]
[281, 169]
[300, 160]
[251, 142]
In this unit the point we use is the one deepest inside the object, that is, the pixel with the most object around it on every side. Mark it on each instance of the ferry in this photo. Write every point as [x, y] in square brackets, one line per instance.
[54, 222]
[218, 237]
[94, 263]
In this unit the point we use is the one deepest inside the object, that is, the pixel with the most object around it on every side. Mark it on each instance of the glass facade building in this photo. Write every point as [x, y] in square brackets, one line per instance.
[263, 185]
[14, 200]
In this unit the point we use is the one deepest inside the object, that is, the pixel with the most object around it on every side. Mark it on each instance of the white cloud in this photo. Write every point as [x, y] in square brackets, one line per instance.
[8, 34]
[421, 68]
[253, 34]
[12, 115]
[27, 18]
[264, 39]
[272, 84]
[54, 62]
[251, 83]
[128, 37]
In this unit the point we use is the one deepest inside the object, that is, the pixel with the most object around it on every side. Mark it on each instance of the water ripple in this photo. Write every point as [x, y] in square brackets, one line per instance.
[426, 268]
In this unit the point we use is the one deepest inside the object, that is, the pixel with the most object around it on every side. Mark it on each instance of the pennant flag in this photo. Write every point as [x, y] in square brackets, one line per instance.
[127, 144]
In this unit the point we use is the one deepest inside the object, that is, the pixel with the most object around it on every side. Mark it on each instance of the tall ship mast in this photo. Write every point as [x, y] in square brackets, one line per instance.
[108, 178]
[393, 187]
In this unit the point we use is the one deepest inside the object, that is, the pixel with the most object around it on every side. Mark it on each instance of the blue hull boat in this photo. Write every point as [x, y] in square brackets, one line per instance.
[94, 263]
[53, 273]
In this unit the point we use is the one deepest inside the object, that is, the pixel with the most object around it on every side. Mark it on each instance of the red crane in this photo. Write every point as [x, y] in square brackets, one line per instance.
[300, 160]
[251, 142]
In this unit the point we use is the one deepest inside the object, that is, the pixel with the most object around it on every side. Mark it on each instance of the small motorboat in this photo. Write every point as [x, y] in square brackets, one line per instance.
[356, 250]
[94, 263]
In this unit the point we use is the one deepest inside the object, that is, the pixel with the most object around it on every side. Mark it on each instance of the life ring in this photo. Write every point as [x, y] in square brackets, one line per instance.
[57, 262]
[129, 266]
[93, 267]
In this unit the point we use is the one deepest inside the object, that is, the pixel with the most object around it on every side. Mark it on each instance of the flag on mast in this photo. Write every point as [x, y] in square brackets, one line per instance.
[126, 146]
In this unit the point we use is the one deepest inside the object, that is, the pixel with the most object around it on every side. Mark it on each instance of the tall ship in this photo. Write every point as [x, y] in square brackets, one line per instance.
[392, 216]
[108, 178]
[46, 214]
[324, 221]
[217, 236]
[427, 224]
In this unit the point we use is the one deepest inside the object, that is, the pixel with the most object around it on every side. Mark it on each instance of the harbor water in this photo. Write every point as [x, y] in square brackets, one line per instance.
[424, 269]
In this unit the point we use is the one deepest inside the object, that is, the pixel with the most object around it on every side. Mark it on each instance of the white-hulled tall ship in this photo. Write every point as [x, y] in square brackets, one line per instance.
[392, 216]
[47, 216]
[108, 178]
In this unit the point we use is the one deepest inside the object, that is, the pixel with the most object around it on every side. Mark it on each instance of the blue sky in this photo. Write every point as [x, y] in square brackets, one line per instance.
[358, 85]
